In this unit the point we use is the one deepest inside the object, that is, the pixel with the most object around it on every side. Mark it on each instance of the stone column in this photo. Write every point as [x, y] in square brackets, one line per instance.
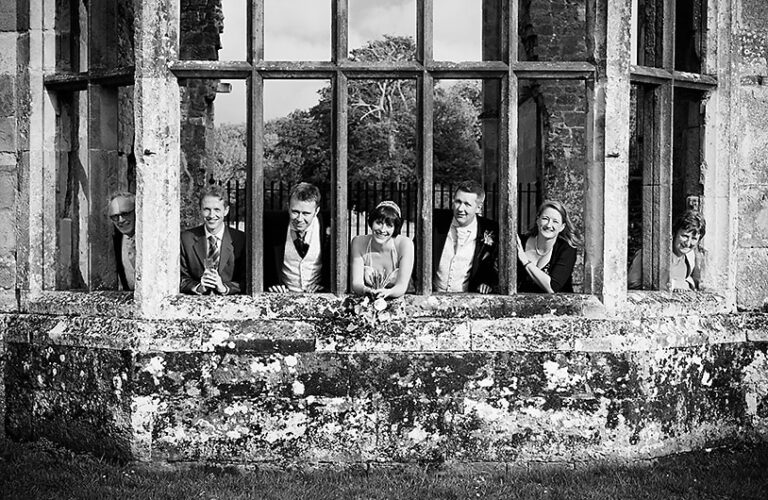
[605, 216]
[11, 24]
[749, 196]
[157, 115]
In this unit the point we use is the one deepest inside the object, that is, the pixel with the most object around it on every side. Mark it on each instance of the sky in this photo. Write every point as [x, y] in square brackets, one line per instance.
[301, 30]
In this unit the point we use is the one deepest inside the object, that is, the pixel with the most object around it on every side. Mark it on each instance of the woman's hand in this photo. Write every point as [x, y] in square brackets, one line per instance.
[381, 293]
[521, 251]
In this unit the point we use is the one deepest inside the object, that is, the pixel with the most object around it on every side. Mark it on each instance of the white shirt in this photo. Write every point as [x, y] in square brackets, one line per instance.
[128, 256]
[456, 260]
[302, 274]
[218, 235]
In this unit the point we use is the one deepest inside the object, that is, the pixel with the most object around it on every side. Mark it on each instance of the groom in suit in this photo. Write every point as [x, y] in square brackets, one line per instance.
[213, 255]
[465, 244]
[297, 245]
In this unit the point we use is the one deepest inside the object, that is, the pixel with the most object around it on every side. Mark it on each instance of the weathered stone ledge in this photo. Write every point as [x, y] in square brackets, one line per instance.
[300, 307]
[555, 333]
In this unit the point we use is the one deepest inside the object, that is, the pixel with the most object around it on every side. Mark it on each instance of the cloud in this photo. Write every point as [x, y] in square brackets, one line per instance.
[457, 30]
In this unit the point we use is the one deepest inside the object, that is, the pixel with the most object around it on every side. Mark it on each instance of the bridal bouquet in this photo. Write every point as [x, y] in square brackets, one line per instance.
[366, 311]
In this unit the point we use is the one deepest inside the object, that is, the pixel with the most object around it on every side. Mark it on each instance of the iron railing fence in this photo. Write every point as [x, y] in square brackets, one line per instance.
[364, 196]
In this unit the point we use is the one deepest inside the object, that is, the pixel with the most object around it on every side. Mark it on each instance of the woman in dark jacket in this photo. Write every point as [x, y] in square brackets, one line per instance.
[547, 254]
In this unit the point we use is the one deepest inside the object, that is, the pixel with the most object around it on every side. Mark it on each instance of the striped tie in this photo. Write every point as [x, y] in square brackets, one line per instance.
[213, 252]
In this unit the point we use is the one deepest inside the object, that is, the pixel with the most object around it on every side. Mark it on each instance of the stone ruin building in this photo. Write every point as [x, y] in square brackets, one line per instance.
[627, 110]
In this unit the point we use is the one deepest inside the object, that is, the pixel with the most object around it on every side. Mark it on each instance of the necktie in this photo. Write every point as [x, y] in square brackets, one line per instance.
[301, 246]
[213, 252]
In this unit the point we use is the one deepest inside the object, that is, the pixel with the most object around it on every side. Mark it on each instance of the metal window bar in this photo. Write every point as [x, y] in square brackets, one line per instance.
[364, 196]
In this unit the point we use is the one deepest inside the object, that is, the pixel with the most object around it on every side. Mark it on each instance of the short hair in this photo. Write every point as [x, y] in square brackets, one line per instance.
[470, 186]
[690, 220]
[121, 194]
[215, 192]
[304, 191]
[388, 215]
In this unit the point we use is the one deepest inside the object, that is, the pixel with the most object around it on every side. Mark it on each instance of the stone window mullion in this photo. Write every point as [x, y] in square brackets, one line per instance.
[157, 139]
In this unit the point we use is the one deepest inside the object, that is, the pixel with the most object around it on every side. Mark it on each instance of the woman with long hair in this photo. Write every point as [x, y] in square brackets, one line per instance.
[547, 253]
[381, 262]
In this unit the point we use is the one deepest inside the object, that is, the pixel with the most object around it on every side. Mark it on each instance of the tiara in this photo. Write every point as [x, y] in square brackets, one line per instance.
[392, 205]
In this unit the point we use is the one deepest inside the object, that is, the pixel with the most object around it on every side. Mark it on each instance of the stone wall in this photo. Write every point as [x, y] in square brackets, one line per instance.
[751, 87]
[13, 109]
[14, 153]
[487, 380]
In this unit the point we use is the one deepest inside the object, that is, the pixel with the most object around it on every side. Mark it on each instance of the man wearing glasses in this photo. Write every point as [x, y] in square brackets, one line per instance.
[121, 211]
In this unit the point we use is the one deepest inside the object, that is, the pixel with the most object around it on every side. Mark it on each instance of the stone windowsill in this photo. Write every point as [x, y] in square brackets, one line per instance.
[639, 304]
[273, 323]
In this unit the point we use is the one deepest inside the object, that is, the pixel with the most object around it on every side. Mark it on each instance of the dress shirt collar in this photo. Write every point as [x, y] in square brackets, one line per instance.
[218, 234]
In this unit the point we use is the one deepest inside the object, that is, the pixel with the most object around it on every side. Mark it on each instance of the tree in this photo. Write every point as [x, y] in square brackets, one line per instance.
[457, 132]
[295, 149]
[229, 153]
[381, 128]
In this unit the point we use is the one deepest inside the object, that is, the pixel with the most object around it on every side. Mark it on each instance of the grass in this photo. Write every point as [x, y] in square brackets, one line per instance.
[41, 471]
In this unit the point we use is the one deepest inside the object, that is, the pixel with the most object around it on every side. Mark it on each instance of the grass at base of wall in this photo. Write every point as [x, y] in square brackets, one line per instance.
[40, 471]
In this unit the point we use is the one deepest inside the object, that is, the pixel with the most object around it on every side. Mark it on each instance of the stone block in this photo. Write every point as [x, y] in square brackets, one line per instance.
[8, 16]
[753, 216]
[753, 61]
[753, 139]
[8, 271]
[8, 134]
[8, 54]
[8, 192]
[751, 277]
[7, 229]
[754, 14]
[7, 96]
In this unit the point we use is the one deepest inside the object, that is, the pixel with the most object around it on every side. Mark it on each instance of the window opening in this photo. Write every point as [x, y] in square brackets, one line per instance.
[648, 33]
[667, 120]
[560, 108]
[371, 20]
[296, 30]
[465, 44]
[687, 151]
[213, 144]
[553, 31]
[690, 35]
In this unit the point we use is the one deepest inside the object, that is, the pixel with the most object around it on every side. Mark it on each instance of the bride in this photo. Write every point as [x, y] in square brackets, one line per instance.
[381, 262]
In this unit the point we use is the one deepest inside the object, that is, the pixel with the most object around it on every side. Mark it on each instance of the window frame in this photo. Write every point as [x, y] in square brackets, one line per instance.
[424, 69]
[99, 81]
[658, 189]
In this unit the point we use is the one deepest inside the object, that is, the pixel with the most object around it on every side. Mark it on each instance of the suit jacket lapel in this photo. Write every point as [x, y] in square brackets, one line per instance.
[479, 243]
[199, 246]
[226, 252]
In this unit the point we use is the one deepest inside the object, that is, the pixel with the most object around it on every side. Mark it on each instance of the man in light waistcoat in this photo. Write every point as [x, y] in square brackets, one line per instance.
[297, 245]
[465, 244]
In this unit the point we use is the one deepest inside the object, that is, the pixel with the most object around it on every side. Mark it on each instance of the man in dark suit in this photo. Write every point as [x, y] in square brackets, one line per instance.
[465, 245]
[122, 212]
[213, 255]
[297, 245]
